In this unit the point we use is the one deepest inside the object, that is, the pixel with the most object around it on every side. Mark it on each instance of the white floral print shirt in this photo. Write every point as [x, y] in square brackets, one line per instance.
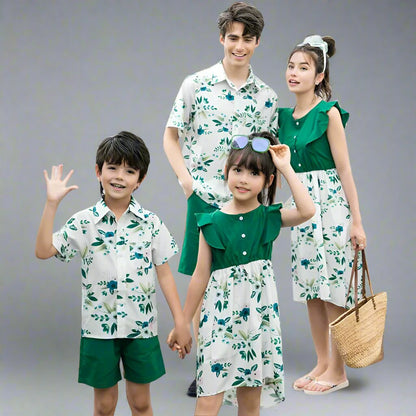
[207, 111]
[118, 268]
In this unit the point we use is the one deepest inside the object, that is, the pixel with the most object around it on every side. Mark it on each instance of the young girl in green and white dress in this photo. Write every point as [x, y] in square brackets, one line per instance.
[239, 357]
[323, 248]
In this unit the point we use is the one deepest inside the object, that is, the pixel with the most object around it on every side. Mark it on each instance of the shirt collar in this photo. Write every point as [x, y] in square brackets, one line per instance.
[218, 75]
[100, 210]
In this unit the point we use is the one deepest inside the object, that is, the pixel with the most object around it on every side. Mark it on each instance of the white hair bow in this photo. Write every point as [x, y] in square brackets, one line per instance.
[316, 41]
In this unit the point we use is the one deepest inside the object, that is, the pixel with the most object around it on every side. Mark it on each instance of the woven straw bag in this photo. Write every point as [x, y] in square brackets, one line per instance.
[358, 333]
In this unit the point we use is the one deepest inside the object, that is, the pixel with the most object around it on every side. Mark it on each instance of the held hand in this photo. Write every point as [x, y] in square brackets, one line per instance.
[280, 155]
[56, 188]
[180, 340]
[358, 238]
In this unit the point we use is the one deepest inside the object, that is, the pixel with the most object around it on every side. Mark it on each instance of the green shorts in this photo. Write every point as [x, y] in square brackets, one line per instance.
[99, 363]
[189, 254]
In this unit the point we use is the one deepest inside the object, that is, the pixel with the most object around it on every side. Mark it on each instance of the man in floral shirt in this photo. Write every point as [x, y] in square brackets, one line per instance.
[211, 106]
[124, 249]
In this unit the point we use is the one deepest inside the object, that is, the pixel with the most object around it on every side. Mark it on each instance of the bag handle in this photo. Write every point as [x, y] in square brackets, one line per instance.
[354, 277]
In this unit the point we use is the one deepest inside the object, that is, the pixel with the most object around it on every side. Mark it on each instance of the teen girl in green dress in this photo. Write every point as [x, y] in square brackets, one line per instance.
[323, 248]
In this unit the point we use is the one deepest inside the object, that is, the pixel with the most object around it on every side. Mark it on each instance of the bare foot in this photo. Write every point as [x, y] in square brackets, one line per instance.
[305, 380]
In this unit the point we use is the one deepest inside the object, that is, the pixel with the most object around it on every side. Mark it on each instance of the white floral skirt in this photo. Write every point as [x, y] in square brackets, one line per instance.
[322, 254]
[239, 340]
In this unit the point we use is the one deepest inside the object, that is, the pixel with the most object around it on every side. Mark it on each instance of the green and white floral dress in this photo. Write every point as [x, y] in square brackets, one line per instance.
[322, 253]
[239, 341]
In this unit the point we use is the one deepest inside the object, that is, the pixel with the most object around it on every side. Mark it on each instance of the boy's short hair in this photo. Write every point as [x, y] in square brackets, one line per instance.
[124, 147]
[241, 12]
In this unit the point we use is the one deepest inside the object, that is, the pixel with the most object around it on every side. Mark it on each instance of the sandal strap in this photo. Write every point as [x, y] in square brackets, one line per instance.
[324, 383]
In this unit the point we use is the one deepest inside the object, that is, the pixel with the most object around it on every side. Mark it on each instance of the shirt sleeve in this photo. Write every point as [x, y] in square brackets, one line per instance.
[164, 245]
[180, 114]
[69, 240]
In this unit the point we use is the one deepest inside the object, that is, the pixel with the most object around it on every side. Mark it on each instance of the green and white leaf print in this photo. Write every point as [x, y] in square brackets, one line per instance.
[118, 272]
[207, 111]
[322, 254]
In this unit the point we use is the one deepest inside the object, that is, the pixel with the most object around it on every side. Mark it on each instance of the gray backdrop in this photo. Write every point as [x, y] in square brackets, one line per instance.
[74, 72]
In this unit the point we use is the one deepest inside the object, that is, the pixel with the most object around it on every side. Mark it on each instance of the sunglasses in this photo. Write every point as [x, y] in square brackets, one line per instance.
[258, 144]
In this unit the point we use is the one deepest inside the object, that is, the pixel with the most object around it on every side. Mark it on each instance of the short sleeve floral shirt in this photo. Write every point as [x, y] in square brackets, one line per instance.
[208, 110]
[118, 268]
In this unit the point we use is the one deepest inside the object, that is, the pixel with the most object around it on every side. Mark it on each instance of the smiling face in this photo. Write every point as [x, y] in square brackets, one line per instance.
[118, 182]
[238, 49]
[301, 76]
[245, 184]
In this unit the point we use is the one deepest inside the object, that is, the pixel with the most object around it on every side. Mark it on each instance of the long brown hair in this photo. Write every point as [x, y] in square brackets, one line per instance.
[323, 89]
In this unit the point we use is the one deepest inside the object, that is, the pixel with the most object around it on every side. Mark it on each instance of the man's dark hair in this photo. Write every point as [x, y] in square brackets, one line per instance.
[243, 13]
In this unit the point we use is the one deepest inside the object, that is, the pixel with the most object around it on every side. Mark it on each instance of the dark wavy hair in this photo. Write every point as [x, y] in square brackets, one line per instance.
[124, 147]
[258, 162]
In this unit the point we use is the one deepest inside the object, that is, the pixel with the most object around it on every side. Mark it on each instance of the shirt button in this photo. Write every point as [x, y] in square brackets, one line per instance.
[297, 123]
[243, 236]
[241, 218]
[300, 164]
[294, 151]
[244, 253]
[294, 137]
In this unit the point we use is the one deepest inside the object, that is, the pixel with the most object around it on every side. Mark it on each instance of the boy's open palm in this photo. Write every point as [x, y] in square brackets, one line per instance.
[56, 188]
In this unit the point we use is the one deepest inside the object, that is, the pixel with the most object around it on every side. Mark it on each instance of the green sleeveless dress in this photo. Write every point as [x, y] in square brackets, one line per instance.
[239, 340]
[322, 254]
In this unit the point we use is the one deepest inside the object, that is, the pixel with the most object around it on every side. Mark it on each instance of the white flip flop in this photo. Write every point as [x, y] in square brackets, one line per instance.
[332, 387]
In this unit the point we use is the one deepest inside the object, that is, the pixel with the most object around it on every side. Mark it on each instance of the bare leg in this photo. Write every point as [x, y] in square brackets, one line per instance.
[208, 405]
[105, 401]
[195, 324]
[248, 401]
[138, 396]
[335, 371]
[319, 321]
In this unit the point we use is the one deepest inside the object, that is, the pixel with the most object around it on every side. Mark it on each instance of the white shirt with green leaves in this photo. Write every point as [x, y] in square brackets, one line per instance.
[208, 110]
[118, 272]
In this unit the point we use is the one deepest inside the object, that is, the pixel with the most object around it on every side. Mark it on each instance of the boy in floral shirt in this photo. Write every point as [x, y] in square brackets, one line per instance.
[211, 106]
[123, 249]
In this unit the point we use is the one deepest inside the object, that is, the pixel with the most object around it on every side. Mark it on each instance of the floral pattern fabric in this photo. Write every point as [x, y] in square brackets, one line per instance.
[239, 339]
[207, 111]
[322, 253]
[118, 272]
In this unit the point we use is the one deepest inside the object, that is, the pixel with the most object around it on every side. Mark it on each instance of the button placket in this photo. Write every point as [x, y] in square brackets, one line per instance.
[243, 235]
[294, 145]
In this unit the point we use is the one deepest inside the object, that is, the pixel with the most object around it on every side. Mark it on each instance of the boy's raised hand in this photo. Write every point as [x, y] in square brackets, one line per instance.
[280, 155]
[56, 188]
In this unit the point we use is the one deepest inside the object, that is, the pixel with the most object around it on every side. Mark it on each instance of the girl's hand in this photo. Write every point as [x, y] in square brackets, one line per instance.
[180, 340]
[280, 155]
[56, 188]
[358, 238]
